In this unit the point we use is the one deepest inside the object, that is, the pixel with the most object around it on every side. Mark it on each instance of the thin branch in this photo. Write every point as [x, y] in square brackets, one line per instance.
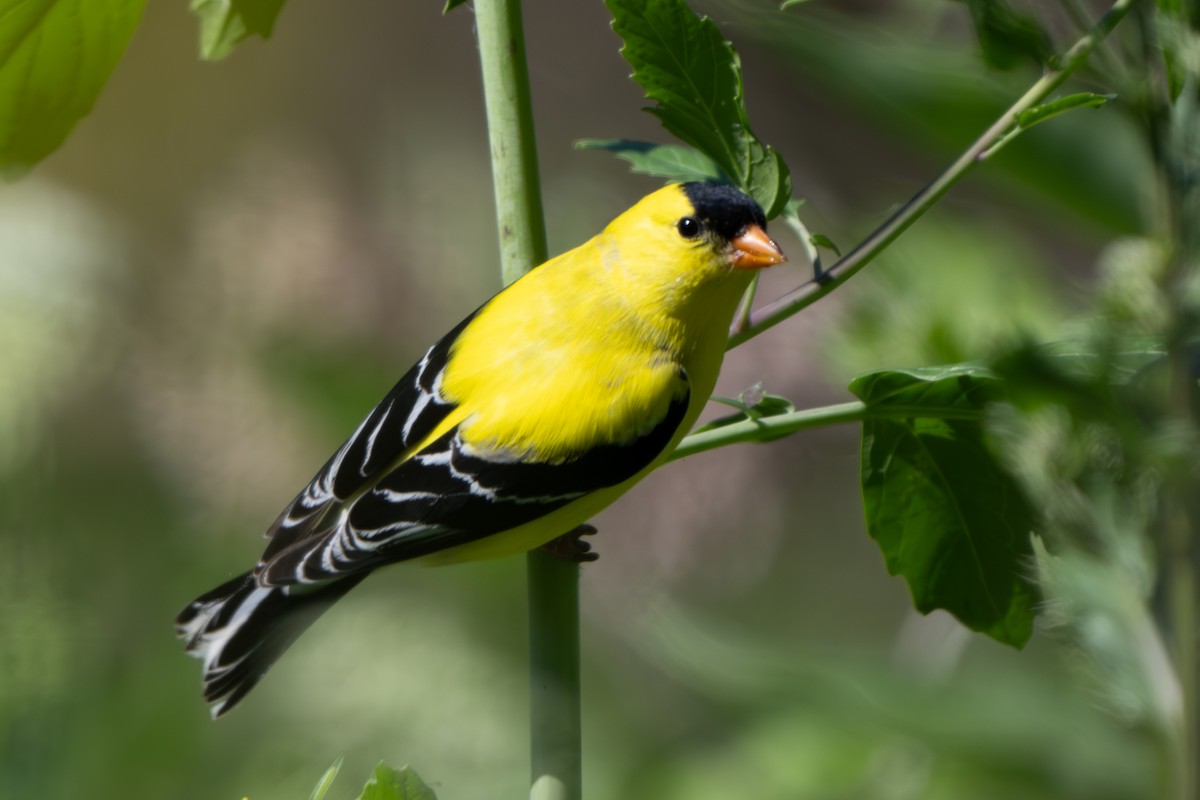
[770, 428]
[1083, 21]
[844, 268]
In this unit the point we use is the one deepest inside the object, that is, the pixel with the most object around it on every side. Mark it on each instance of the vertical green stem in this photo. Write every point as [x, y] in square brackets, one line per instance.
[519, 217]
[554, 688]
[554, 708]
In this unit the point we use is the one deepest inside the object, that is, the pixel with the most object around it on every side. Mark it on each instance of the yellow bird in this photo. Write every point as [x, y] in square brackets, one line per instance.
[530, 416]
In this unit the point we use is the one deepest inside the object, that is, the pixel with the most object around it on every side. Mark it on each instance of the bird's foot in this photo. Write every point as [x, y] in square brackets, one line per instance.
[571, 546]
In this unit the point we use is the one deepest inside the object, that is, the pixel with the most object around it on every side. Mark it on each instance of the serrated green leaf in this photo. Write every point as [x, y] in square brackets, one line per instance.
[396, 784]
[672, 161]
[694, 78]
[55, 57]
[821, 240]
[322, 787]
[946, 515]
[225, 23]
[1043, 112]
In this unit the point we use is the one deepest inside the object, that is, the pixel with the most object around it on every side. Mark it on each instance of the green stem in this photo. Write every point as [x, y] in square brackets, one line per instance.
[554, 688]
[1111, 66]
[844, 268]
[519, 217]
[770, 428]
[554, 683]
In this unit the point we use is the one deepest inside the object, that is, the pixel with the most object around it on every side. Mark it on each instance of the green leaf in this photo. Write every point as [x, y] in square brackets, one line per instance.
[225, 23]
[451, 5]
[55, 57]
[821, 240]
[1043, 112]
[1006, 36]
[945, 513]
[694, 78]
[322, 787]
[672, 161]
[396, 784]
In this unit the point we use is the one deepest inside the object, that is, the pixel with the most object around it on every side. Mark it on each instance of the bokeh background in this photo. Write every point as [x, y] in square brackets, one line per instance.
[228, 264]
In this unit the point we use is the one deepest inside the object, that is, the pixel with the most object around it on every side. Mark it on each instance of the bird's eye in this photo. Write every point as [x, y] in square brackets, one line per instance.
[689, 227]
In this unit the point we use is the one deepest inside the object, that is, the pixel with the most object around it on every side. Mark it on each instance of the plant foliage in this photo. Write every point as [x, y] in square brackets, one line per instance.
[225, 23]
[694, 78]
[945, 513]
[55, 57]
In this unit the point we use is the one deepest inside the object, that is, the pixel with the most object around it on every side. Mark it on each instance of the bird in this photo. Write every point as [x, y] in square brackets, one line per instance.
[531, 415]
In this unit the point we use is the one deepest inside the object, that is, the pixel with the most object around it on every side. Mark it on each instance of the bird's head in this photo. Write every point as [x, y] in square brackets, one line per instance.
[686, 237]
[730, 223]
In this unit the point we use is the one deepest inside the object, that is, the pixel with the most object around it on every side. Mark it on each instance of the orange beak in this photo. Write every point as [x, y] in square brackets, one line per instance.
[755, 250]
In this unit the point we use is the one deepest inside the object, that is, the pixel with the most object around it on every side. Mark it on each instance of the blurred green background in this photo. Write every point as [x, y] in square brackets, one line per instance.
[228, 264]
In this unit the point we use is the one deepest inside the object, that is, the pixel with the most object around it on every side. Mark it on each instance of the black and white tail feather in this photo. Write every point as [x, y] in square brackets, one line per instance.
[376, 502]
[239, 629]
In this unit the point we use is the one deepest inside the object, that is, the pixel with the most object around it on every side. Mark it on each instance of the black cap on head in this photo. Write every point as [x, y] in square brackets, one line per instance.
[726, 210]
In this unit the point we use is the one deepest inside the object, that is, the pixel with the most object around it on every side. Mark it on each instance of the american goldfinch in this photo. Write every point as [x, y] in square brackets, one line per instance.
[531, 415]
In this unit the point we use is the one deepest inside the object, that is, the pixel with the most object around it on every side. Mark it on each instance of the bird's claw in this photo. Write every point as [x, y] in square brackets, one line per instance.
[571, 547]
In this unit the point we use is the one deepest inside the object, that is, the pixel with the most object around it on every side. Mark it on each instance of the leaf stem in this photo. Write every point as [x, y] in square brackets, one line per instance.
[844, 268]
[554, 684]
[774, 427]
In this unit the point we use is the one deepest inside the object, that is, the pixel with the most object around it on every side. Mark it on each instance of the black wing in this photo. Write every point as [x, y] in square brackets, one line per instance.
[449, 494]
[409, 412]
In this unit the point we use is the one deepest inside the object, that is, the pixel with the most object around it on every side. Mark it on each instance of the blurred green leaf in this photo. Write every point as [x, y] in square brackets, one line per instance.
[1082, 376]
[1032, 116]
[55, 57]
[671, 161]
[225, 23]
[946, 515]
[451, 5]
[694, 77]
[396, 784]
[322, 787]
[1180, 44]
[1006, 36]
[1169, 8]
